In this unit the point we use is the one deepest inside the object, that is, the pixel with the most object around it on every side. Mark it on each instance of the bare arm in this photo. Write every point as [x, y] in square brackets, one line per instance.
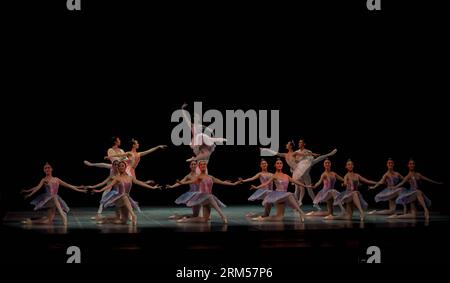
[252, 178]
[319, 182]
[364, 180]
[226, 183]
[264, 185]
[143, 153]
[379, 183]
[186, 178]
[99, 165]
[100, 184]
[75, 188]
[429, 180]
[33, 190]
[339, 178]
[108, 187]
[406, 179]
[144, 185]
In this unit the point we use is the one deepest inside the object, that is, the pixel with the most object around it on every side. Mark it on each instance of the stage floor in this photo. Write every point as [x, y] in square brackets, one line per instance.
[241, 240]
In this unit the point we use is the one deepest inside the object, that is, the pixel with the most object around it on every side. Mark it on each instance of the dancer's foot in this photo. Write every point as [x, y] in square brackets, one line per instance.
[427, 215]
[259, 218]
[316, 206]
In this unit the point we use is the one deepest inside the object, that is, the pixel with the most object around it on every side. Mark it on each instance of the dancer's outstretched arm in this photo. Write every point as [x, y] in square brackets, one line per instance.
[144, 153]
[429, 180]
[226, 183]
[252, 178]
[301, 184]
[186, 178]
[99, 165]
[339, 178]
[72, 187]
[364, 180]
[406, 179]
[144, 185]
[109, 179]
[33, 190]
[273, 152]
[263, 185]
[322, 177]
[379, 183]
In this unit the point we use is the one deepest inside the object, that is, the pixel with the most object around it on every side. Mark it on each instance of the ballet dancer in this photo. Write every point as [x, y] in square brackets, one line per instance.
[50, 200]
[413, 194]
[305, 160]
[327, 194]
[134, 156]
[391, 178]
[202, 142]
[260, 194]
[187, 196]
[126, 204]
[351, 196]
[280, 197]
[204, 197]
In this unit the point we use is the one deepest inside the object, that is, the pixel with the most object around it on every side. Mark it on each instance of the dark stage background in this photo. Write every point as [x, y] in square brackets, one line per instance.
[370, 85]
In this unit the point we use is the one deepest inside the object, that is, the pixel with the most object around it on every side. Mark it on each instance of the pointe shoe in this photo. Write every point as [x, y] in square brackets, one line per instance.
[259, 218]
[362, 217]
[427, 215]
[182, 220]
[65, 221]
[372, 212]
[329, 217]
[225, 220]
[310, 213]
[134, 222]
[27, 221]
[316, 206]
[393, 216]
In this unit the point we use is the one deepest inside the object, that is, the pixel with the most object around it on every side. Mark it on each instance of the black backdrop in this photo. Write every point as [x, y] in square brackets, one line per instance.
[367, 84]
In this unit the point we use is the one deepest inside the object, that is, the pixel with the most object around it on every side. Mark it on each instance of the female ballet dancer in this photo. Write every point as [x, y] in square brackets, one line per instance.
[351, 196]
[327, 194]
[280, 197]
[413, 194]
[391, 178]
[50, 199]
[202, 142]
[187, 196]
[305, 160]
[124, 182]
[108, 196]
[134, 156]
[205, 197]
[260, 194]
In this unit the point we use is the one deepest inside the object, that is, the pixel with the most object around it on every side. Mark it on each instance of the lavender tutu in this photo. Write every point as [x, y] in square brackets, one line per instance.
[323, 195]
[200, 198]
[260, 194]
[347, 196]
[388, 194]
[45, 200]
[408, 196]
[185, 198]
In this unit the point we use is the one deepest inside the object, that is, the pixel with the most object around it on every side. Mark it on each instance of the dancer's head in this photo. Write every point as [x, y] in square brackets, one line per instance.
[279, 164]
[122, 166]
[202, 166]
[327, 164]
[411, 164]
[390, 164]
[134, 144]
[301, 143]
[48, 169]
[115, 166]
[349, 165]
[193, 165]
[263, 164]
[290, 145]
[115, 141]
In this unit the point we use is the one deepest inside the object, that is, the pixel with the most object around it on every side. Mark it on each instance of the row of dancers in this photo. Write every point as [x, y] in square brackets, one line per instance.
[272, 190]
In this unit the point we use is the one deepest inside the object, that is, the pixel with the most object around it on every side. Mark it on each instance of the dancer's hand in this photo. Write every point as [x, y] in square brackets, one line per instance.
[190, 159]
[106, 157]
[371, 187]
[162, 146]
[157, 187]
[27, 196]
[87, 163]
[184, 105]
[252, 187]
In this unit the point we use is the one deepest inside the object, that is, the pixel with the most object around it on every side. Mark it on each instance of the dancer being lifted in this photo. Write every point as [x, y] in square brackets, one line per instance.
[50, 200]
[202, 142]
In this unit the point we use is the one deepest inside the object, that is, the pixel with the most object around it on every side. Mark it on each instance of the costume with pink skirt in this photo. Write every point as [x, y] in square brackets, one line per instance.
[388, 193]
[187, 196]
[45, 200]
[327, 190]
[123, 189]
[347, 195]
[410, 195]
[204, 193]
[280, 195]
[261, 193]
